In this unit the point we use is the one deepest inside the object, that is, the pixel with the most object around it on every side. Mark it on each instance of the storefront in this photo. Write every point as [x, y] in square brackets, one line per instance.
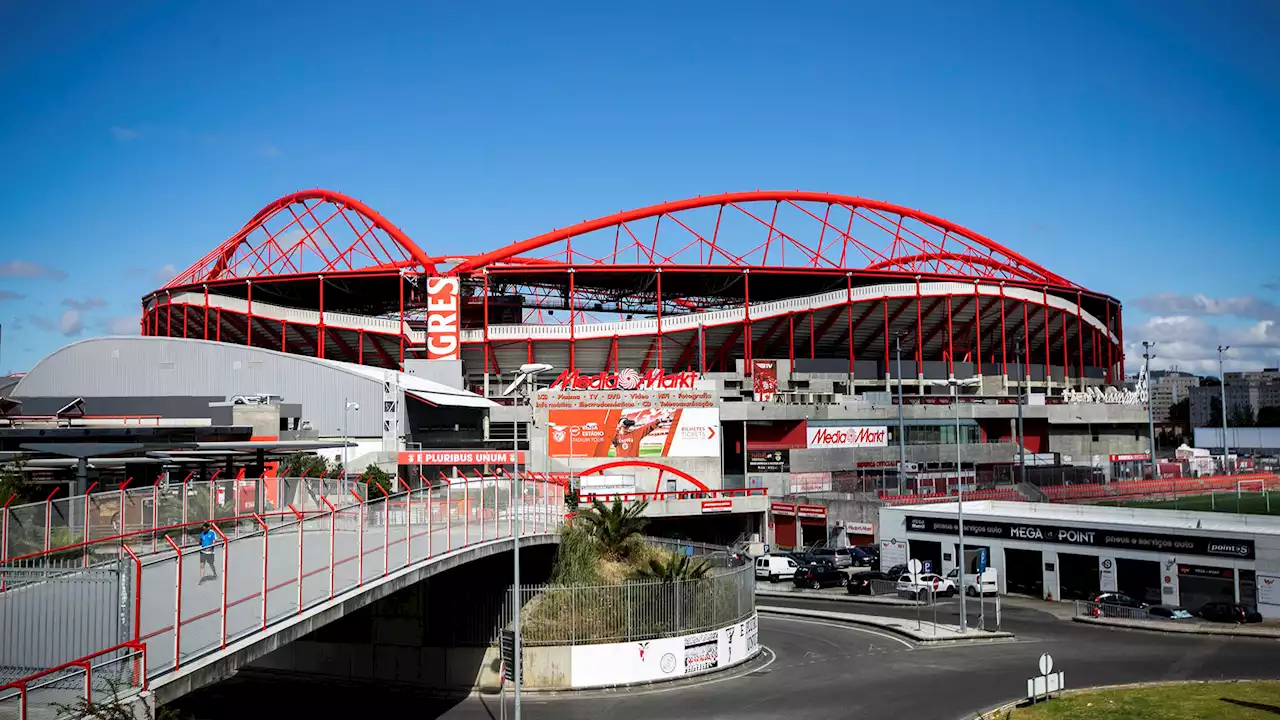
[796, 525]
[1068, 552]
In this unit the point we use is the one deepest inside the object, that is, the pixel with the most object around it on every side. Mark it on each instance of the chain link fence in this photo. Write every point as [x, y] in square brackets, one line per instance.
[634, 610]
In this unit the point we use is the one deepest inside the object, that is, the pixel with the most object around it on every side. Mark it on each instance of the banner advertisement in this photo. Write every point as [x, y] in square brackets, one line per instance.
[810, 482]
[1107, 574]
[764, 379]
[458, 457]
[606, 484]
[846, 436]
[634, 432]
[768, 461]
[442, 319]
[1269, 589]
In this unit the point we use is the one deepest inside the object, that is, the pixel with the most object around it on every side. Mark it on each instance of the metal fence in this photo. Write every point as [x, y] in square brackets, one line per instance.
[1085, 608]
[180, 608]
[637, 610]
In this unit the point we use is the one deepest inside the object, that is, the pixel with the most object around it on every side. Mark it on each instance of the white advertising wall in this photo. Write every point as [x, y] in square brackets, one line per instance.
[610, 664]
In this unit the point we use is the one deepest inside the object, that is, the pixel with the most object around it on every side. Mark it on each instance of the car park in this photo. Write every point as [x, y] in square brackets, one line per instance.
[921, 585]
[975, 586]
[1170, 612]
[869, 583]
[1228, 612]
[819, 575]
[775, 567]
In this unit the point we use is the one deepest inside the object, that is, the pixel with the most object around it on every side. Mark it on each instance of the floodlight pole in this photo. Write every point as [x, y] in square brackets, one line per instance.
[902, 439]
[1147, 356]
[1222, 389]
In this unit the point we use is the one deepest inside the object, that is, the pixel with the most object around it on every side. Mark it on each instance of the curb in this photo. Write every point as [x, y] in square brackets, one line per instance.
[998, 712]
[889, 625]
[1177, 629]
[881, 600]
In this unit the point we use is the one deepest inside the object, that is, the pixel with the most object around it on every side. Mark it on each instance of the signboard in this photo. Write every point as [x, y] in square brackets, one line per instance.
[618, 399]
[857, 528]
[812, 511]
[634, 432]
[764, 379]
[781, 508]
[809, 482]
[1107, 574]
[507, 649]
[846, 436]
[1062, 535]
[458, 457]
[717, 506]
[626, 379]
[1169, 579]
[390, 413]
[892, 552]
[768, 461]
[606, 484]
[1131, 457]
[1268, 589]
[442, 319]
[982, 560]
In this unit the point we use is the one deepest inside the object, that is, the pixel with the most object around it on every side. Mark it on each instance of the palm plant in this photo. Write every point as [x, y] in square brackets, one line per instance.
[674, 568]
[617, 527]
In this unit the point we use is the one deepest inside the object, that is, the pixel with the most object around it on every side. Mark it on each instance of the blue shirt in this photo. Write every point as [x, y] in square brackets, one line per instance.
[207, 539]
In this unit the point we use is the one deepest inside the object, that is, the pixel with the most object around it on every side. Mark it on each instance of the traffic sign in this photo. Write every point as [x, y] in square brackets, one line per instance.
[982, 560]
[937, 583]
[1046, 664]
[913, 566]
[926, 566]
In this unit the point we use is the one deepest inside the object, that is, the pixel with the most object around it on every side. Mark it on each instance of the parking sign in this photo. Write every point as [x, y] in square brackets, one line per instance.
[926, 566]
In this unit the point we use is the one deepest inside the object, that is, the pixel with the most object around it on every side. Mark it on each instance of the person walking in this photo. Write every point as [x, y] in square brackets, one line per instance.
[207, 538]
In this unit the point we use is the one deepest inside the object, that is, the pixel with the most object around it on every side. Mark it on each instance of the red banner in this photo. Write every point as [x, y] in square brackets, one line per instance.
[442, 319]
[458, 457]
[634, 432]
[764, 379]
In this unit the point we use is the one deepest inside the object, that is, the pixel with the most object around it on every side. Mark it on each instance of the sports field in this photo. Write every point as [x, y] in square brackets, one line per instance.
[1251, 503]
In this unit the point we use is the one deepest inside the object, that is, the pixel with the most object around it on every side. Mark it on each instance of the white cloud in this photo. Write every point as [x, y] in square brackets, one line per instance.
[121, 325]
[165, 273]
[88, 303]
[1246, 306]
[24, 269]
[1186, 336]
[70, 323]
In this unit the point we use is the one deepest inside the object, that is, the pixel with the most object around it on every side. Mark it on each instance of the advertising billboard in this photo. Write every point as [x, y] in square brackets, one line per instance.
[443, 342]
[768, 461]
[634, 432]
[764, 379]
[846, 436]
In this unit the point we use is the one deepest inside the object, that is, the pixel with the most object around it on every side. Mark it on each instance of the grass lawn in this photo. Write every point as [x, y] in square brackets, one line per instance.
[1250, 503]
[1220, 701]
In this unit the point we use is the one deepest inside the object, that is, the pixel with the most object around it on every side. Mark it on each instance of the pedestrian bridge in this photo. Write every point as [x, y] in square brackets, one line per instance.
[73, 624]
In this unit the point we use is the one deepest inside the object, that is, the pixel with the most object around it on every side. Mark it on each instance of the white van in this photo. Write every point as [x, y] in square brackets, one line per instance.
[988, 586]
[775, 568]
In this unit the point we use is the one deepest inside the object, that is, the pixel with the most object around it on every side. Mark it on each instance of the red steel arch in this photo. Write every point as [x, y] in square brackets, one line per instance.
[908, 240]
[298, 234]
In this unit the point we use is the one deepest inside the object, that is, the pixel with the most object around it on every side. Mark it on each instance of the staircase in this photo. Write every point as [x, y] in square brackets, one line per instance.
[1031, 492]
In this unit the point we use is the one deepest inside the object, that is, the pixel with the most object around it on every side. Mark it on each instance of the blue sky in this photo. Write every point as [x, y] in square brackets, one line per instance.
[1130, 146]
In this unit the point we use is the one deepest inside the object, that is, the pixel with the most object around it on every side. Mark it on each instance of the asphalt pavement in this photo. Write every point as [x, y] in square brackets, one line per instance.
[823, 670]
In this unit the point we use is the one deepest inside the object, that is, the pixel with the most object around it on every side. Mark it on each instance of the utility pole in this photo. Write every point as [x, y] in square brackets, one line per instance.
[964, 615]
[1222, 389]
[1147, 357]
[902, 437]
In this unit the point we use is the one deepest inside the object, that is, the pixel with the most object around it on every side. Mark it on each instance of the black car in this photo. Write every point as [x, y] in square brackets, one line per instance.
[862, 558]
[896, 571]
[1170, 612]
[871, 550]
[1118, 599]
[862, 583]
[819, 575]
[1228, 612]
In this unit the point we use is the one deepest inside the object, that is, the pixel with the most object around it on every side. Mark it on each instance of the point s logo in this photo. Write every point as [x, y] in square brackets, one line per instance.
[1226, 548]
[847, 437]
[442, 318]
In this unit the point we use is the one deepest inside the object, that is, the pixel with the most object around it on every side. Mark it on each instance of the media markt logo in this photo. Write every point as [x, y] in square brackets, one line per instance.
[627, 379]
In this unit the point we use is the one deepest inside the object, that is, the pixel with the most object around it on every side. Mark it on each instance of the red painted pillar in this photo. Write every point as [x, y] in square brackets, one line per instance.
[400, 282]
[217, 318]
[849, 304]
[486, 330]
[284, 336]
[1047, 337]
[885, 308]
[168, 314]
[951, 351]
[812, 340]
[1004, 348]
[320, 333]
[573, 313]
[360, 345]
[1080, 340]
[528, 352]
[184, 320]
[746, 320]
[661, 364]
[919, 349]
[206, 312]
[1066, 356]
[1026, 343]
[1110, 364]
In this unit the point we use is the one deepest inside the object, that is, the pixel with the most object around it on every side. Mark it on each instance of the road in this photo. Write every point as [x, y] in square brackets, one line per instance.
[821, 671]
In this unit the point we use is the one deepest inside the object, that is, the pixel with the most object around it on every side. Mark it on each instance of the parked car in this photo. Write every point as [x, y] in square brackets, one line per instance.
[1228, 612]
[1170, 612]
[896, 570]
[863, 583]
[861, 558]
[871, 550]
[918, 585]
[775, 567]
[838, 556]
[1120, 599]
[973, 586]
[819, 575]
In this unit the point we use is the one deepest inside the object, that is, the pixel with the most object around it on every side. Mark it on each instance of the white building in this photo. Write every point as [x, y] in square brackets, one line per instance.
[1066, 552]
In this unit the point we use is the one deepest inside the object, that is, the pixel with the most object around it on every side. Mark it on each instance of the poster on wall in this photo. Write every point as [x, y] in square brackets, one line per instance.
[753, 634]
[1107, 574]
[763, 461]
[892, 552]
[442, 319]
[810, 482]
[634, 432]
[1268, 589]
[701, 652]
[764, 379]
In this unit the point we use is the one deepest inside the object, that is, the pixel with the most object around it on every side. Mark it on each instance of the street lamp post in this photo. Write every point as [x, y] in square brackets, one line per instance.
[964, 615]
[902, 438]
[525, 378]
[1147, 357]
[346, 406]
[1022, 440]
[1222, 389]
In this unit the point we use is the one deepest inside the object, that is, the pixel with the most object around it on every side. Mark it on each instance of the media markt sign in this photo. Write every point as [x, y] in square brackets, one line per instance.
[626, 379]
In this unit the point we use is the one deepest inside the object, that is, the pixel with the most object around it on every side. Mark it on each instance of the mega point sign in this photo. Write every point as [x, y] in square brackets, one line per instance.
[626, 379]
[844, 436]
[443, 342]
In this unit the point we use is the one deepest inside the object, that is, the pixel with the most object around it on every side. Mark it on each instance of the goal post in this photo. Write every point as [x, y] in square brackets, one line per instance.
[1257, 488]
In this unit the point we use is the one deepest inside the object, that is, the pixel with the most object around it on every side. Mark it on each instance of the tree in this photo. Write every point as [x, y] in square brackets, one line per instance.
[571, 499]
[1269, 417]
[14, 483]
[674, 568]
[1180, 415]
[615, 528]
[1215, 413]
[376, 477]
[1241, 417]
[308, 465]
